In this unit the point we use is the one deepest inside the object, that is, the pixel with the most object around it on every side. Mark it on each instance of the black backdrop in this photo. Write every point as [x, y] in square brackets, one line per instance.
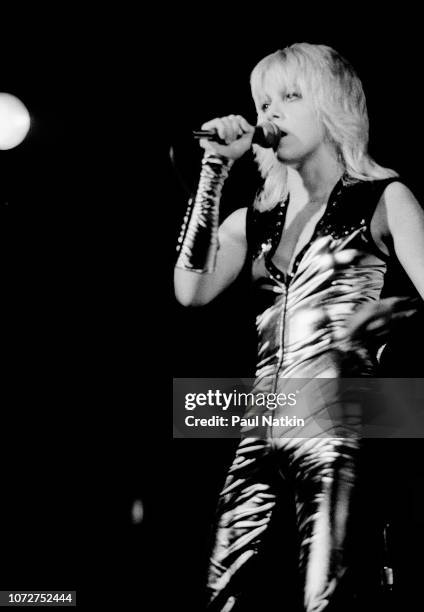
[71, 231]
[87, 339]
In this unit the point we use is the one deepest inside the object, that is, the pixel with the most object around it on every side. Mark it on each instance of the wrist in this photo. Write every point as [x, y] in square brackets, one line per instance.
[210, 157]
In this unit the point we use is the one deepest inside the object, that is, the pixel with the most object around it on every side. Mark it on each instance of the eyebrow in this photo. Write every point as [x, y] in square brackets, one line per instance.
[282, 91]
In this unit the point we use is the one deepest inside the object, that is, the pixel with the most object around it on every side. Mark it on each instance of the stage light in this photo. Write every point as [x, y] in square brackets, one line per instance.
[137, 512]
[14, 121]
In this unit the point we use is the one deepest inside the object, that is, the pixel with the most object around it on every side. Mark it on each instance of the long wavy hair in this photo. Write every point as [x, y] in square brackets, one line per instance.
[339, 102]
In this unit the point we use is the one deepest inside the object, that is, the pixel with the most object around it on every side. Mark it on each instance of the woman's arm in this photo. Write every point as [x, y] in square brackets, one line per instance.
[211, 257]
[397, 224]
[405, 229]
[194, 289]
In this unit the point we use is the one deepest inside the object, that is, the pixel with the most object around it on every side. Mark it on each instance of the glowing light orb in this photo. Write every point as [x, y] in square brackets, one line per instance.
[137, 512]
[14, 121]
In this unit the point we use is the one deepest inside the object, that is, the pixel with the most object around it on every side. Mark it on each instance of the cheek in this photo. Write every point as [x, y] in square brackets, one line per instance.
[315, 129]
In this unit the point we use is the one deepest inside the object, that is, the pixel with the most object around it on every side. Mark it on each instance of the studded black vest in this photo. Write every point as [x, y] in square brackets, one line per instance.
[301, 316]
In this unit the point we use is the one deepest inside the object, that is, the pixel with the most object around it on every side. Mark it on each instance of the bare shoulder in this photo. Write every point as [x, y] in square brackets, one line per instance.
[234, 226]
[399, 219]
[397, 199]
[397, 206]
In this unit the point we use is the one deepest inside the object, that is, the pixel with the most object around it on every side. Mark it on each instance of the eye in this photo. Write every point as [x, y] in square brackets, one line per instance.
[293, 95]
[264, 107]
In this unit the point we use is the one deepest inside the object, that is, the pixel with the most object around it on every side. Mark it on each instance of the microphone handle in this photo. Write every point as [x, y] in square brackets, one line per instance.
[266, 135]
[213, 135]
[208, 134]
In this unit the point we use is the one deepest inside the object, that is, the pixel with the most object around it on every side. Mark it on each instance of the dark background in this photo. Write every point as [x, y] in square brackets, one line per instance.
[71, 229]
[210, 77]
[86, 202]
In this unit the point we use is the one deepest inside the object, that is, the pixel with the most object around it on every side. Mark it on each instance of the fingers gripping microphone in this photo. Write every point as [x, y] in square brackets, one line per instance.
[266, 135]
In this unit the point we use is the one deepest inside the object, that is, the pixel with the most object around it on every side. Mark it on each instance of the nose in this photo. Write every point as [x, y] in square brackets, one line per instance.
[274, 111]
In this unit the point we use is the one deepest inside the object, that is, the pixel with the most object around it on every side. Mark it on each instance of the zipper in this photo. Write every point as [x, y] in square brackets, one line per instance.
[282, 332]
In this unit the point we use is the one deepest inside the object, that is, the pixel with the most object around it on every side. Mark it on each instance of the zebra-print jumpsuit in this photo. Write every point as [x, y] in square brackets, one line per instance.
[301, 323]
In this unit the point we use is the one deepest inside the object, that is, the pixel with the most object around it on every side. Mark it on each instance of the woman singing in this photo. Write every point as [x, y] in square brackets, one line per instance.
[325, 226]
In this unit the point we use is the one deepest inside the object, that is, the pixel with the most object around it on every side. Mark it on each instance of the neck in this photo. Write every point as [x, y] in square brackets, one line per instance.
[316, 177]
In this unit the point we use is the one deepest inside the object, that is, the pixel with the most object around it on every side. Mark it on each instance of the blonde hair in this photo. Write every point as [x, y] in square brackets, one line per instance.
[340, 104]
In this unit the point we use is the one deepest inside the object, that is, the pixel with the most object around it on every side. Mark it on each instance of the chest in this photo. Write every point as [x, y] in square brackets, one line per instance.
[298, 229]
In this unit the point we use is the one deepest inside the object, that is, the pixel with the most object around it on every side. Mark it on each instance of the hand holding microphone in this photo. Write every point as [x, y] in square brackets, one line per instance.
[232, 136]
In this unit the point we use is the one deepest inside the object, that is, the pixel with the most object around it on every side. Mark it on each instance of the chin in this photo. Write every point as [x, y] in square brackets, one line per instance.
[285, 158]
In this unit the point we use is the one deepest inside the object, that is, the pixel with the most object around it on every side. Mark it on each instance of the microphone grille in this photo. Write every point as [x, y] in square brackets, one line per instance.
[267, 135]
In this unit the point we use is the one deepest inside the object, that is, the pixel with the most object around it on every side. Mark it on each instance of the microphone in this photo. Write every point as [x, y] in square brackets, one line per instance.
[266, 135]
